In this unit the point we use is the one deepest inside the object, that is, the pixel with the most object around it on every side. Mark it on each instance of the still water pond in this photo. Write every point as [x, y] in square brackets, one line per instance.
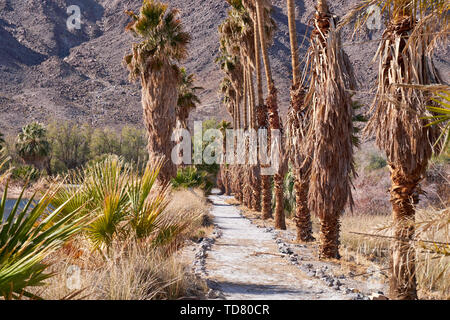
[10, 203]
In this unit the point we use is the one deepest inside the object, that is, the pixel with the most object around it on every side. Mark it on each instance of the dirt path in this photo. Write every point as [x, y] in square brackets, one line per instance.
[251, 263]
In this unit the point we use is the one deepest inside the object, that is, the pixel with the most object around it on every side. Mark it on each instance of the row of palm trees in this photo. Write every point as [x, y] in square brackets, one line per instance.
[319, 137]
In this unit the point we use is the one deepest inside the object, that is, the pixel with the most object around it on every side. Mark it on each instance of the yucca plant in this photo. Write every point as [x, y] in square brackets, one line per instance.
[122, 203]
[27, 237]
[146, 210]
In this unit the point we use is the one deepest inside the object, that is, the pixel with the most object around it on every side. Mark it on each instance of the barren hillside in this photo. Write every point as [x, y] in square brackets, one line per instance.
[47, 72]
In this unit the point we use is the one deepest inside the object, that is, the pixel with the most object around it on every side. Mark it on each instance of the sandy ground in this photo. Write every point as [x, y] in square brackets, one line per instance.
[248, 262]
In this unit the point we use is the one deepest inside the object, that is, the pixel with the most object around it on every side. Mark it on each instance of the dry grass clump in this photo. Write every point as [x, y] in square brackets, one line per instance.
[360, 247]
[133, 270]
[194, 201]
[432, 249]
[371, 192]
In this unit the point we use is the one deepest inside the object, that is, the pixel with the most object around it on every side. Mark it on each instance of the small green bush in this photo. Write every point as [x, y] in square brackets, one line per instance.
[191, 177]
[26, 172]
[376, 162]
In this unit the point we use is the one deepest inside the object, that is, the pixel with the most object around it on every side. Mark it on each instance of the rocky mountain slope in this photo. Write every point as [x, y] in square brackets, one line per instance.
[48, 72]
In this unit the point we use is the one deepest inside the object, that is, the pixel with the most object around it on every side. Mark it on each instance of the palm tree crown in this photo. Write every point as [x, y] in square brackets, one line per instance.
[187, 96]
[162, 39]
[32, 143]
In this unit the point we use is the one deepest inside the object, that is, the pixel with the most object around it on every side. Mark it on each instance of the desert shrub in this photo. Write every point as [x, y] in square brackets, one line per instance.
[376, 162]
[70, 145]
[191, 177]
[25, 172]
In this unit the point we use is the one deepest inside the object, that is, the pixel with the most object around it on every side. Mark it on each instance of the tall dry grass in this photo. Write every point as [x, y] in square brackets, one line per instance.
[132, 270]
[432, 258]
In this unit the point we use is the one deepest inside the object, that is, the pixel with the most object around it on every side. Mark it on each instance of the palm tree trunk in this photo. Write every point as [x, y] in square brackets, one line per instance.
[266, 194]
[245, 93]
[255, 172]
[302, 213]
[329, 236]
[159, 100]
[402, 283]
[275, 124]
[331, 130]
[293, 41]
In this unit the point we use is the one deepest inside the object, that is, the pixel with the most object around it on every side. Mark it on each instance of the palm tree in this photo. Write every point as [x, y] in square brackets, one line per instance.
[400, 120]
[32, 145]
[162, 44]
[224, 174]
[262, 122]
[296, 129]
[331, 130]
[273, 113]
[233, 32]
[187, 97]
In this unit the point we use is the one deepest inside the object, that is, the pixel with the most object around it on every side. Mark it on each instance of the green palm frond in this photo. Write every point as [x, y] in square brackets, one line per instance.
[187, 96]
[32, 142]
[27, 237]
[2, 139]
[441, 116]
[162, 40]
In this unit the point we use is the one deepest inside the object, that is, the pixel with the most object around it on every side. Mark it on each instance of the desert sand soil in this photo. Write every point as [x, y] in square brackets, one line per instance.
[253, 263]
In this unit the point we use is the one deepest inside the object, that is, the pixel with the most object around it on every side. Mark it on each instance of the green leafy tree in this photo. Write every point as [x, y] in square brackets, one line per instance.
[104, 141]
[133, 145]
[69, 144]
